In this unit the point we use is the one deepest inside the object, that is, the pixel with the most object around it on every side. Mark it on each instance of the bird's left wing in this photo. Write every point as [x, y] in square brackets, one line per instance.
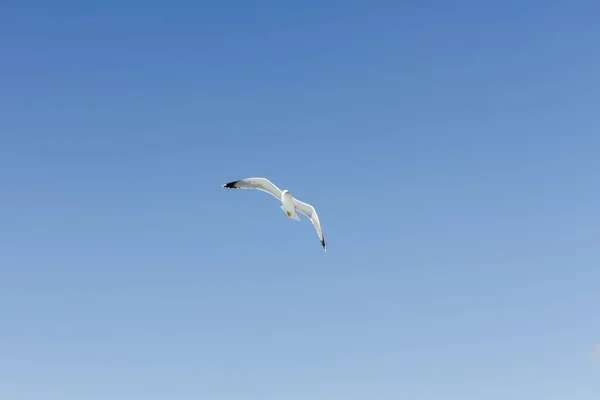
[311, 213]
[262, 184]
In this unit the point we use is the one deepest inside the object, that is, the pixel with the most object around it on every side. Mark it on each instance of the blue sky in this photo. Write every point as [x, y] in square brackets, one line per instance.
[451, 151]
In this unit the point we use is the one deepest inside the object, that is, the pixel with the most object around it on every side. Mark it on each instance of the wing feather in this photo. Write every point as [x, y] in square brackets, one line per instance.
[262, 184]
[311, 213]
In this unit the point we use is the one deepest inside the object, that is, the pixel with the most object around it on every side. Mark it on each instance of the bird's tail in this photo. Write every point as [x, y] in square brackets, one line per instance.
[294, 216]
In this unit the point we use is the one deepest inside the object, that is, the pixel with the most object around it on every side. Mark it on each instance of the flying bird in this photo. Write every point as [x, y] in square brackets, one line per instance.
[289, 204]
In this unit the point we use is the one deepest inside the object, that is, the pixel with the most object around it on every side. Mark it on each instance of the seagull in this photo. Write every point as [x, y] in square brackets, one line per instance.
[289, 204]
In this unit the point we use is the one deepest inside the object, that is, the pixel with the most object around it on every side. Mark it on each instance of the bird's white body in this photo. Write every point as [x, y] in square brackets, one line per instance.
[289, 204]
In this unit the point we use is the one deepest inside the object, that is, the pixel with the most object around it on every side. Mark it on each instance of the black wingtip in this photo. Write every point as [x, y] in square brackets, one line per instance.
[230, 185]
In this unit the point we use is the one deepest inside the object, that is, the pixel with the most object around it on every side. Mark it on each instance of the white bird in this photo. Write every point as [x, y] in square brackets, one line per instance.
[288, 203]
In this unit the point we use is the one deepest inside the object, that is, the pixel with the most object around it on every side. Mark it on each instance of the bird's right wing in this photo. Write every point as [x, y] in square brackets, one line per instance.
[311, 213]
[262, 184]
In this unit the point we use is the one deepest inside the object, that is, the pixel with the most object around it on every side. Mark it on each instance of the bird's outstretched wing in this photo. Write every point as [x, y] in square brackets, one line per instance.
[262, 184]
[311, 213]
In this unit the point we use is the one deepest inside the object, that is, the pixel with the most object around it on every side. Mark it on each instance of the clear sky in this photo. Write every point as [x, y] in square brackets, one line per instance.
[452, 151]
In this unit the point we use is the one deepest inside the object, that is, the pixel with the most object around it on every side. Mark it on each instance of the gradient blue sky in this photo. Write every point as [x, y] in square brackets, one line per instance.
[452, 151]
